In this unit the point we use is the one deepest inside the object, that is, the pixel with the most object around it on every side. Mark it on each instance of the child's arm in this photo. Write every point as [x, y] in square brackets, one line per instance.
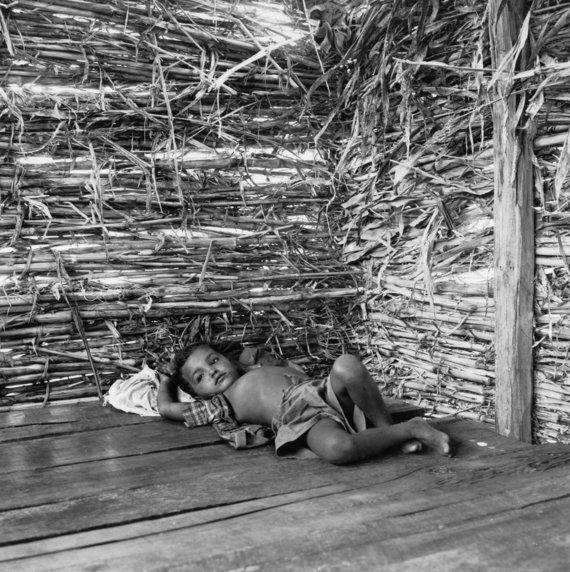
[167, 401]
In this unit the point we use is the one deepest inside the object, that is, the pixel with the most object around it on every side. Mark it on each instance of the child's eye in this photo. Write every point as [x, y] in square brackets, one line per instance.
[198, 378]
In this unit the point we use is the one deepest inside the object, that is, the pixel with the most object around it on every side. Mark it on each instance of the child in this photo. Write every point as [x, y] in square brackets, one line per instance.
[341, 419]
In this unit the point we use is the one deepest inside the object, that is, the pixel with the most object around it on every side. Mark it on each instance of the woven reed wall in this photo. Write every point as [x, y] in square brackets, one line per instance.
[420, 169]
[160, 184]
[195, 189]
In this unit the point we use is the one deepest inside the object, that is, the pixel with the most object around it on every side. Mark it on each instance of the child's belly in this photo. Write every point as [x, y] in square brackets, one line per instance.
[258, 397]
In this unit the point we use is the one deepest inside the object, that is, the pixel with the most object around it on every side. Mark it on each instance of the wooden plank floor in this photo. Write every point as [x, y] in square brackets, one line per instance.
[90, 488]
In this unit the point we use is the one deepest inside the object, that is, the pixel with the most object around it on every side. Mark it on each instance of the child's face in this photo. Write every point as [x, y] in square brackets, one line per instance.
[208, 372]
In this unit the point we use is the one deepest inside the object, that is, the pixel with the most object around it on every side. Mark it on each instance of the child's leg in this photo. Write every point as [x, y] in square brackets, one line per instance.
[332, 443]
[353, 385]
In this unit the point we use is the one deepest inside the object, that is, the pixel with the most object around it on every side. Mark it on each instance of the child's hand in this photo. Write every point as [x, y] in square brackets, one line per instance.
[168, 403]
[163, 377]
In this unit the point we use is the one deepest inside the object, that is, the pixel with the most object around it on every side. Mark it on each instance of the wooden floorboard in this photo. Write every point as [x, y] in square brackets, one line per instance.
[114, 491]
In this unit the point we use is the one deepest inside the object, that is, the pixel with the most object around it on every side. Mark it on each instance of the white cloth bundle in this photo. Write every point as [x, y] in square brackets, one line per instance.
[138, 393]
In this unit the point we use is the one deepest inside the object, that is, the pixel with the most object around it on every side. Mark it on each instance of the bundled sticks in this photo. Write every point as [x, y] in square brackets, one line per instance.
[160, 184]
[176, 171]
[419, 165]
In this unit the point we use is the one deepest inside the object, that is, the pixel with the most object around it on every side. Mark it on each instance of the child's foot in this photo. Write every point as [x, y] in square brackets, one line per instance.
[413, 446]
[425, 433]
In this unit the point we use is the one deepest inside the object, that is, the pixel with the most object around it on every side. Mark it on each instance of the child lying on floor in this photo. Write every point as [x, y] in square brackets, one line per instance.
[341, 419]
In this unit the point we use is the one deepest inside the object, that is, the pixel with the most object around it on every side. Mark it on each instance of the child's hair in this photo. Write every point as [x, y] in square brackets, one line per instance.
[178, 359]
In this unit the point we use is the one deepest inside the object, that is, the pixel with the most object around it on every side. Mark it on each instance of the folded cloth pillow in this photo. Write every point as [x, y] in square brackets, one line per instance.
[136, 394]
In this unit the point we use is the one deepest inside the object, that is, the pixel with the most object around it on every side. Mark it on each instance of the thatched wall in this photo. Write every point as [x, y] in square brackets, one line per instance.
[194, 180]
[420, 168]
[161, 184]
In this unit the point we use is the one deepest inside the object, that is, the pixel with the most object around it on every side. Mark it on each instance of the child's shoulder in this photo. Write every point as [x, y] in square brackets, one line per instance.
[252, 357]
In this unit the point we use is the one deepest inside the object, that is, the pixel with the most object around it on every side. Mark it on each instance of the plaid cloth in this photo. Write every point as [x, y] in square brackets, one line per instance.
[206, 411]
[217, 412]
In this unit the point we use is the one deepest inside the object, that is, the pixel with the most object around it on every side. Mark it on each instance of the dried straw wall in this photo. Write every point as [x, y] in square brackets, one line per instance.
[160, 184]
[420, 168]
[194, 181]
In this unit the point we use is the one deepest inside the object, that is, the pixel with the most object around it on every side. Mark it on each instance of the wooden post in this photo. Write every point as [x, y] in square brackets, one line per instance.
[514, 231]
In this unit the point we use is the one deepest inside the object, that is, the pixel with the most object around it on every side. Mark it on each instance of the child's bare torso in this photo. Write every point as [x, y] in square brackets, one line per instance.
[256, 396]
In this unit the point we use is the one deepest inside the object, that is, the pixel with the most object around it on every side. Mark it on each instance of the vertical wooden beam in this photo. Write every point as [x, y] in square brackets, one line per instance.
[514, 230]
